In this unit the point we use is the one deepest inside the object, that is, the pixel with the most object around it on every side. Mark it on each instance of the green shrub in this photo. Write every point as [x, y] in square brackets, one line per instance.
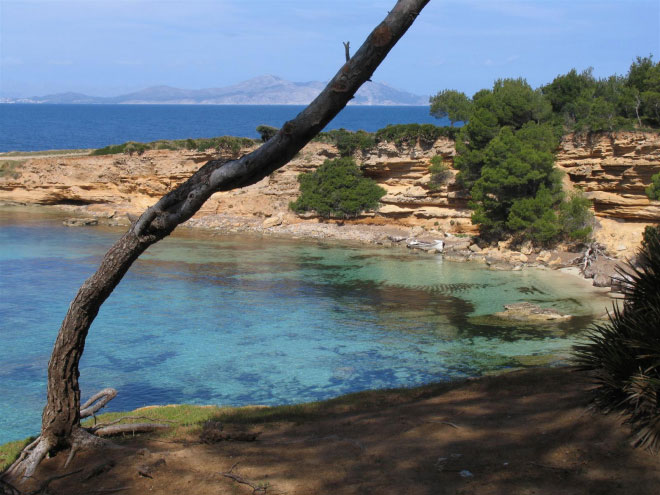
[653, 191]
[228, 143]
[110, 150]
[650, 233]
[11, 168]
[440, 173]
[266, 132]
[411, 134]
[623, 355]
[347, 142]
[575, 217]
[337, 189]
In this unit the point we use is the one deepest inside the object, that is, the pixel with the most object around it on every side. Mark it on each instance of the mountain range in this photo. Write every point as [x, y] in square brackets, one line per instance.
[262, 90]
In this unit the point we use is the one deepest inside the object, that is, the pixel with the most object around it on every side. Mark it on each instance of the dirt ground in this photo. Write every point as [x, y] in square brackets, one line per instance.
[526, 432]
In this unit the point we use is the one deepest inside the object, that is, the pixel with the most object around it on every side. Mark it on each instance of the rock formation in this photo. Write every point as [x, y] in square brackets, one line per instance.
[612, 169]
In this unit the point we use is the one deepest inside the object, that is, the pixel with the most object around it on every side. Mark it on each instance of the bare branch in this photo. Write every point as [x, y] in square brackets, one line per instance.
[244, 481]
[98, 426]
[103, 397]
[131, 428]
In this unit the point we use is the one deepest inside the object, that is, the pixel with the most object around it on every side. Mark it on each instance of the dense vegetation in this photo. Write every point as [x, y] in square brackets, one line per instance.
[505, 159]
[226, 143]
[622, 355]
[505, 149]
[348, 142]
[337, 189]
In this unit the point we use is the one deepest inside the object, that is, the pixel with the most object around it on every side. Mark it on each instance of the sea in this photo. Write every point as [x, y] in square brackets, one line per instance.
[36, 127]
[203, 318]
[245, 319]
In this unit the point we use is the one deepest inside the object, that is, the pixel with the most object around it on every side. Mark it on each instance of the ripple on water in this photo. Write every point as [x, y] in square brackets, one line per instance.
[242, 319]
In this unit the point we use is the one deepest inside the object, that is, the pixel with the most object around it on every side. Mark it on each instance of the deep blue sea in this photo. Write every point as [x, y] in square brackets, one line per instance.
[25, 127]
[235, 320]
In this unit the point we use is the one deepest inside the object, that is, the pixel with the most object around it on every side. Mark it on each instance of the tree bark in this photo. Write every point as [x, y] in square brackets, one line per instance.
[61, 416]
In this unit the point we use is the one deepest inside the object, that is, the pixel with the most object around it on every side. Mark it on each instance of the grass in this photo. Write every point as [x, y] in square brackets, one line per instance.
[188, 420]
[11, 168]
[44, 153]
[9, 452]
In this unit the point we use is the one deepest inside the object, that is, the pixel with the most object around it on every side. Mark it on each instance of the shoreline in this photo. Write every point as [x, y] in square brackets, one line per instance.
[412, 240]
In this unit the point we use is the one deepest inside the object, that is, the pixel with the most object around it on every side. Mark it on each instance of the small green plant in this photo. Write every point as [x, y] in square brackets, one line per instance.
[11, 168]
[653, 191]
[337, 189]
[440, 173]
[266, 132]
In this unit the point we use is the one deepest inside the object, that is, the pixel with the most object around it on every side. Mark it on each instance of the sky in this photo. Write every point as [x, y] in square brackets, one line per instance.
[110, 47]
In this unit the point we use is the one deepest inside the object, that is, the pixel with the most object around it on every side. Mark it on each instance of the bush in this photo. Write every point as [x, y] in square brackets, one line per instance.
[411, 134]
[229, 143]
[266, 132]
[575, 218]
[653, 191]
[347, 142]
[623, 355]
[440, 172]
[337, 189]
[650, 233]
[11, 168]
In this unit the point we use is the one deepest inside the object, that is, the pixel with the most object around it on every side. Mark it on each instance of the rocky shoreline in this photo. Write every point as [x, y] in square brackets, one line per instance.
[612, 170]
[415, 240]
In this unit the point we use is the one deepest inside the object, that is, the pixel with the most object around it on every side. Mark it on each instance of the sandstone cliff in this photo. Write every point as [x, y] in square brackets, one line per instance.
[613, 170]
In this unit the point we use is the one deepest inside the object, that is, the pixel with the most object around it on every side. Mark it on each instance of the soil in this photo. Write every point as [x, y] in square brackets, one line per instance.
[524, 432]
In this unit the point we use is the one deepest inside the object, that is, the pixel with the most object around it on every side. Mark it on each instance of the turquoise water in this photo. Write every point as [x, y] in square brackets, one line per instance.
[237, 320]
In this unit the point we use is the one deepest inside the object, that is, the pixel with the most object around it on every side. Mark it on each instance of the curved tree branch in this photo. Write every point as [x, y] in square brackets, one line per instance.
[61, 415]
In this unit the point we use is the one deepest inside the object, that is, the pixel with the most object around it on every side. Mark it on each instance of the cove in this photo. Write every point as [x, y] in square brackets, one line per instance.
[242, 319]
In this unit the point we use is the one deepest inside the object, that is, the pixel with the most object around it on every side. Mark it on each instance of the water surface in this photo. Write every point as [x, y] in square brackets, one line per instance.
[30, 127]
[237, 320]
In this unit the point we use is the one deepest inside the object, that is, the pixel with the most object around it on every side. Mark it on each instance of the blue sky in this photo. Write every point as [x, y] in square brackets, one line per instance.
[104, 47]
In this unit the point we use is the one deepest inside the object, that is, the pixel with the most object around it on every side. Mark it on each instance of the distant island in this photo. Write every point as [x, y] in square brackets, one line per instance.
[262, 90]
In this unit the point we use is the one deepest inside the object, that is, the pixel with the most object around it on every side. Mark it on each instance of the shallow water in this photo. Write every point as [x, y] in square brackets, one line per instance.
[237, 320]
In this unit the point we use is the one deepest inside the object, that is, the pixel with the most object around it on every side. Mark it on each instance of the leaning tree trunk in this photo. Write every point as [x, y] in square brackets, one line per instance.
[60, 427]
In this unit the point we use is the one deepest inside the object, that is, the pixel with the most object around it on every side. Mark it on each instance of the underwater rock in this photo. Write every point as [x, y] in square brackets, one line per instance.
[525, 311]
[80, 222]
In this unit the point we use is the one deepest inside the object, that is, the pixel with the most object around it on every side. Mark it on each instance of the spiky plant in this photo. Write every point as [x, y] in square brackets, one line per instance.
[623, 355]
